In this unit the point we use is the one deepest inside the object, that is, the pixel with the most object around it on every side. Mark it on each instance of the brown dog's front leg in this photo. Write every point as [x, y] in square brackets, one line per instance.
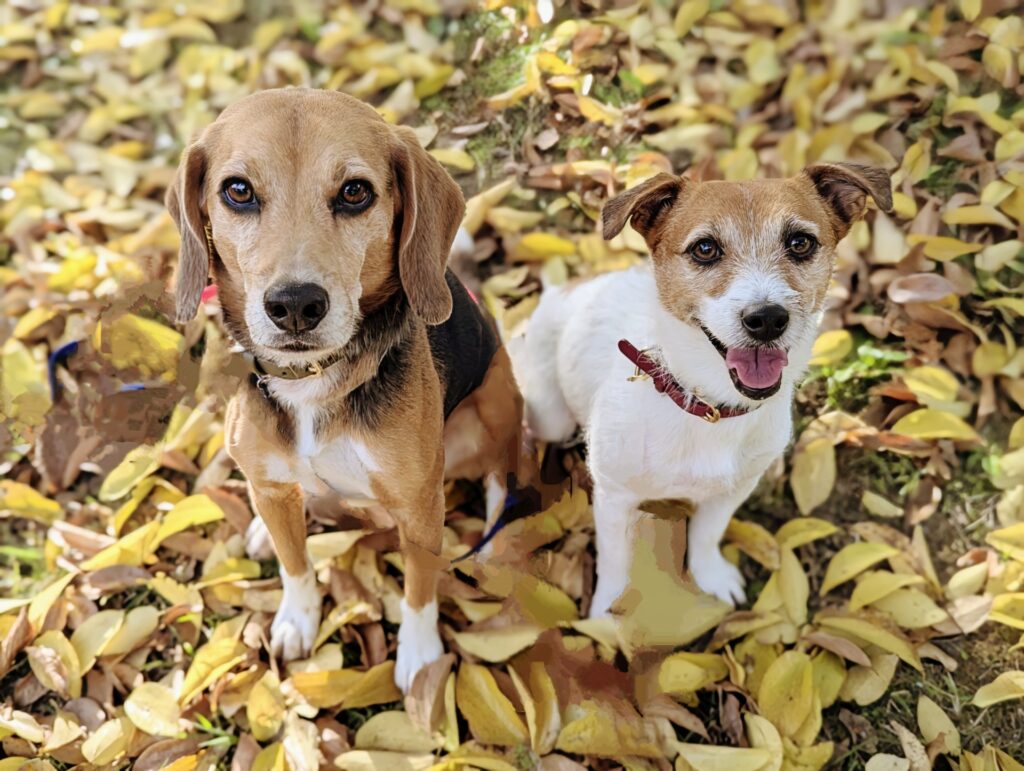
[419, 642]
[297, 620]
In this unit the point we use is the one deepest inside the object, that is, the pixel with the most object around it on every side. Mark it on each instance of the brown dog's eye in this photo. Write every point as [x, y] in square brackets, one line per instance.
[354, 196]
[801, 245]
[706, 250]
[238, 194]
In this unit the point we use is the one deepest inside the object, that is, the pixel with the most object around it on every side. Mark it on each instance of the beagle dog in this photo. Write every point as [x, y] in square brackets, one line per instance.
[682, 371]
[375, 375]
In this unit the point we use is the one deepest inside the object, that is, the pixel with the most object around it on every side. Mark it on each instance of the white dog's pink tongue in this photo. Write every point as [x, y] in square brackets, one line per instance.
[757, 367]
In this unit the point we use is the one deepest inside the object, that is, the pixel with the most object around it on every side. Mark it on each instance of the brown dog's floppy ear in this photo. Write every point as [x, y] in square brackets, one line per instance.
[641, 205]
[845, 187]
[183, 202]
[431, 209]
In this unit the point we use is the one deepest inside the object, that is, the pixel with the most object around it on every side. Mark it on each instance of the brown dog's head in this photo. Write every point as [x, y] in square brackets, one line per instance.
[749, 262]
[318, 211]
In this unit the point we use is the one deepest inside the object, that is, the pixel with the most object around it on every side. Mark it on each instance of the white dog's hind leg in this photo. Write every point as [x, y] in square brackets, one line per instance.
[614, 516]
[547, 413]
[713, 572]
[258, 544]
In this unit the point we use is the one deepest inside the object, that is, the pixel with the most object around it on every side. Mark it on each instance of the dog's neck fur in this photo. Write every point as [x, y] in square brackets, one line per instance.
[700, 369]
[356, 388]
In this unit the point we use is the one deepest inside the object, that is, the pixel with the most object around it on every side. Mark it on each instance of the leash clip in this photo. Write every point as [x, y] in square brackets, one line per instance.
[713, 415]
[316, 368]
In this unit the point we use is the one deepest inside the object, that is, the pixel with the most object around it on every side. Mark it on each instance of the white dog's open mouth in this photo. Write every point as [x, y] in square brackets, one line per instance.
[756, 372]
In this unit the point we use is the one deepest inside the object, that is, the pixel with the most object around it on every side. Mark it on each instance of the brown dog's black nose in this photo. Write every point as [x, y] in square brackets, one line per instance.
[766, 322]
[296, 307]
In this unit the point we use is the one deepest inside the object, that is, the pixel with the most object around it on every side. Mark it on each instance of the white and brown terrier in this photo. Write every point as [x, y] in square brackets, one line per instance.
[723, 320]
[375, 375]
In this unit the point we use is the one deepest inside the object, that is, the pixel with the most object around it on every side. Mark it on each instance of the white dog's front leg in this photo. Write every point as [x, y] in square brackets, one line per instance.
[614, 515]
[713, 572]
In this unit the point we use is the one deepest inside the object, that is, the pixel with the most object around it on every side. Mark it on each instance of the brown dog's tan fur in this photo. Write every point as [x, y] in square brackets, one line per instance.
[296, 147]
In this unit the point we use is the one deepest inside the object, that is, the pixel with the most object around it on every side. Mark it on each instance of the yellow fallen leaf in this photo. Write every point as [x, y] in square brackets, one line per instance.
[911, 608]
[139, 625]
[20, 500]
[933, 722]
[596, 728]
[763, 735]
[852, 560]
[270, 758]
[496, 645]
[479, 205]
[265, 707]
[541, 246]
[108, 742]
[831, 348]
[457, 159]
[40, 605]
[24, 389]
[754, 541]
[598, 112]
[93, 635]
[209, 663]
[492, 718]
[879, 505]
[943, 248]
[380, 760]
[979, 214]
[866, 685]
[138, 464]
[131, 341]
[684, 673]
[934, 424]
[885, 762]
[794, 587]
[874, 631]
[55, 664]
[18, 723]
[1008, 685]
[786, 694]
[1008, 540]
[393, 731]
[153, 709]
[689, 13]
[803, 530]
[131, 549]
[540, 703]
[702, 757]
[348, 688]
[933, 386]
[813, 474]
[878, 584]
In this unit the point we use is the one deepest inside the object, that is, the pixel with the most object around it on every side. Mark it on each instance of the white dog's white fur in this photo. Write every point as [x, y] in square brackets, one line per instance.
[640, 444]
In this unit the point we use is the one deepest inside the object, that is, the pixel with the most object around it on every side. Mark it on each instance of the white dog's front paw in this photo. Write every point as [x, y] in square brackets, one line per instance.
[297, 620]
[716, 575]
[419, 643]
[258, 544]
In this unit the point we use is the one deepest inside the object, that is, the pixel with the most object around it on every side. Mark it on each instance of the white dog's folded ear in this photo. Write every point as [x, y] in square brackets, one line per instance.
[184, 202]
[845, 187]
[431, 206]
[641, 205]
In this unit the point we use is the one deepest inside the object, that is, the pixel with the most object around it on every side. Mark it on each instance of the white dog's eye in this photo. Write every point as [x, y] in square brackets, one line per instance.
[801, 245]
[705, 250]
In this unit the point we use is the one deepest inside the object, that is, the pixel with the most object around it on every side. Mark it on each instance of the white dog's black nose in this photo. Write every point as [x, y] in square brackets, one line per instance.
[296, 307]
[765, 322]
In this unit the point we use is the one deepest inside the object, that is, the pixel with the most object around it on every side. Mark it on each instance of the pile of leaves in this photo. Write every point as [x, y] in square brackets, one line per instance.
[885, 556]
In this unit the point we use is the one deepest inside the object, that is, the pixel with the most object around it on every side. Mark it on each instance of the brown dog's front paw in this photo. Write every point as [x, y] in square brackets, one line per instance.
[297, 620]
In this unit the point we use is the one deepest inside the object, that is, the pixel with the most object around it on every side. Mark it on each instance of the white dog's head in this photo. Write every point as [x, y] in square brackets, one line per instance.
[748, 262]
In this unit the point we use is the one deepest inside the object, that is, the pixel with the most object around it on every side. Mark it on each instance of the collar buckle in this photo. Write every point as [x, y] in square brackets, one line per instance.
[713, 415]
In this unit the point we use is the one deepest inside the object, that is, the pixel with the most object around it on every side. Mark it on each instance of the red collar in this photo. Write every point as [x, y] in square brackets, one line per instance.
[668, 385]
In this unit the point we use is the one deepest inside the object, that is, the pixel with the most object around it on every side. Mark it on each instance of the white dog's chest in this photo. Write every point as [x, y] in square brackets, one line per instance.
[657, 449]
